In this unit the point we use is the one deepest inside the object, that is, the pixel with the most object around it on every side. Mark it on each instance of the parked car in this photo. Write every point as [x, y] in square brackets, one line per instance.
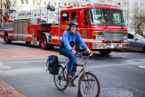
[136, 42]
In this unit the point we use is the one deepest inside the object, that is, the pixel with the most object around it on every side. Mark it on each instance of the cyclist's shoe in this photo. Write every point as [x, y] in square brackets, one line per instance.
[71, 84]
[69, 77]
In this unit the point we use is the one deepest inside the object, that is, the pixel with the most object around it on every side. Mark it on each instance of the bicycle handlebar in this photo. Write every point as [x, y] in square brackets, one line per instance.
[83, 54]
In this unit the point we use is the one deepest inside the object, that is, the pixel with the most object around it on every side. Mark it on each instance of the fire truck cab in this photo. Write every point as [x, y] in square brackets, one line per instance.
[101, 26]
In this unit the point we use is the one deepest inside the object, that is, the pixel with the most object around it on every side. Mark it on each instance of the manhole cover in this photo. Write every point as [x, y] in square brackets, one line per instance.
[116, 92]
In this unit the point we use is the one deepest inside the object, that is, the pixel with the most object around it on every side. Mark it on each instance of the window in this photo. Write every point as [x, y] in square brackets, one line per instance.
[85, 17]
[117, 17]
[130, 36]
[55, 3]
[34, 2]
[73, 18]
[26, 1]
[65, 17]
[106, 16]
[74, 5]
[44, 3]
[22, 2]
[98, 17]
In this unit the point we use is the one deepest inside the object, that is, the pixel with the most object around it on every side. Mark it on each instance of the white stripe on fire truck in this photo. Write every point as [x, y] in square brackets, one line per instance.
[26, 35]
[85, 39]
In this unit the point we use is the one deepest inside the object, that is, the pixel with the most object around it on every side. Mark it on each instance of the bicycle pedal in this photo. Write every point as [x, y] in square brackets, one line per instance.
[71, 84]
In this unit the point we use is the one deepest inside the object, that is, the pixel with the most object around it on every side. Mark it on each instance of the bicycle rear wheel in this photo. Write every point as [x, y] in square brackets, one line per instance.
[60, 80]
[89, 85]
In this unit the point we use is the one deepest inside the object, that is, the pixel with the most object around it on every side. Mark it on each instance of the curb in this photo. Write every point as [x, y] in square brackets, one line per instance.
[8, 91]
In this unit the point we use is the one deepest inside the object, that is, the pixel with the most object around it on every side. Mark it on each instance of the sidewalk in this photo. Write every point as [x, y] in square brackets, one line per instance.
[8, 91]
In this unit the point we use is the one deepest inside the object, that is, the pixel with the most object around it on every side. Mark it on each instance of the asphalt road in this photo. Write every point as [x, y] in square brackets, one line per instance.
[121, 74]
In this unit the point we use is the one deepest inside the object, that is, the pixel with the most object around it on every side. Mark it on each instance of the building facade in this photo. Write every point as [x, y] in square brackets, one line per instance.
[129, 5]
[35, 4]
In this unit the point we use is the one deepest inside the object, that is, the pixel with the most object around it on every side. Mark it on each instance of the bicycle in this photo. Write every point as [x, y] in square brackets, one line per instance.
[87, 80]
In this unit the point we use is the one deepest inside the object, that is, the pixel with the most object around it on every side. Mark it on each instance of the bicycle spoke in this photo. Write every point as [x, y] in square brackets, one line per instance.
[89, 85]
[60, 79]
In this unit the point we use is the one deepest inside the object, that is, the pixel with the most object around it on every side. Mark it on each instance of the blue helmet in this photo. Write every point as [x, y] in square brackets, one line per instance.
[73, 23]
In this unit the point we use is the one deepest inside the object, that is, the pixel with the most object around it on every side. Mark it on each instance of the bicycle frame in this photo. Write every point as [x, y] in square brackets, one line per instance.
[83, 69]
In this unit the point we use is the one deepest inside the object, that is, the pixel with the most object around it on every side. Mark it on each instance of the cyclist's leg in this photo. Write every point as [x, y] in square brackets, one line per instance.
[74, 69]
[72, 58]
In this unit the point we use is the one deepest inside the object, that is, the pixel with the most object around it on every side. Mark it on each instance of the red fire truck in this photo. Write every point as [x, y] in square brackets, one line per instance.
[102, 26]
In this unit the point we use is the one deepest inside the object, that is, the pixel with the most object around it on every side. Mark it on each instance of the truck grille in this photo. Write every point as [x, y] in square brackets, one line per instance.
[115, 36]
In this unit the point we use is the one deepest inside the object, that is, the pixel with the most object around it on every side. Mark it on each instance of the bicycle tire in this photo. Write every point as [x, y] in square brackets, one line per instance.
[86, 77]
[61, 77]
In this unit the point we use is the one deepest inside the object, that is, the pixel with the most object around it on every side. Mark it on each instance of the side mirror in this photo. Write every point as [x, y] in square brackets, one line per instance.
[51, 8]
[81, 19]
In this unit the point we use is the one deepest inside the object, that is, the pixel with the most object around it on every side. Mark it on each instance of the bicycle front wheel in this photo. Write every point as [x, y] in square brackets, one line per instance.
[89, 85]
[60, 80]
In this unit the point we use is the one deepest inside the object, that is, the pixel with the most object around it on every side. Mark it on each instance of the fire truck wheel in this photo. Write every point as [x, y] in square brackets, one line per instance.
[43, 42]
[8, 41]
[105, 52]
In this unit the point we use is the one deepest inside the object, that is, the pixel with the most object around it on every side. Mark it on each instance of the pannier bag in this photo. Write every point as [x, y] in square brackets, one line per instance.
[52, 64]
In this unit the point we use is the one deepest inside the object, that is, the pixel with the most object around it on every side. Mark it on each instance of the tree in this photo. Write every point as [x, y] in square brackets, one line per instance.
[7, 4]
[1, 8]
[139, 21]
[137, 17]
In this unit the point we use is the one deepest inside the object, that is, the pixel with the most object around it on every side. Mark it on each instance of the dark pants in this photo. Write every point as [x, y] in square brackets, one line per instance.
[72, 64]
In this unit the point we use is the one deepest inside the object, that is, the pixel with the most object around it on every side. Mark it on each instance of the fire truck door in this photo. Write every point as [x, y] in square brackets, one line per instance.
[83, 23]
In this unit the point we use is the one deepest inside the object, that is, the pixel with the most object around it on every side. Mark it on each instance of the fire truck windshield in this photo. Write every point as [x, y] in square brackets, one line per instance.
[106, 17]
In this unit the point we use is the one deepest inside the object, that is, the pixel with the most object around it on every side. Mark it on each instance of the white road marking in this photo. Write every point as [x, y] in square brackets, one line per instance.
[4, 67]
[142, 66]
[19, 62]
[22, 71]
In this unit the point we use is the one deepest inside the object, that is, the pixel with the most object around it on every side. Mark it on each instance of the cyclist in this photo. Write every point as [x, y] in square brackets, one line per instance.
[70, 38]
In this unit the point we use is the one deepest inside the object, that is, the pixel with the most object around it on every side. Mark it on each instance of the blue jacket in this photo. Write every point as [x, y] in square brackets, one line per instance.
[67, 37]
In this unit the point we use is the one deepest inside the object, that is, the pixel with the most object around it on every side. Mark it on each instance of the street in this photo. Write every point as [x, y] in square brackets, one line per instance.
[121, 74]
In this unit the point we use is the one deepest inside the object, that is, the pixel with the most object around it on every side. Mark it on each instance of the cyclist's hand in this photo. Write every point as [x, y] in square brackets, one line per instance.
[73, 51]
[88, 51]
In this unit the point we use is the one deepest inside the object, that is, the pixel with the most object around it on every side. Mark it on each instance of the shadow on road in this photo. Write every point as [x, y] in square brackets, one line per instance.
[30, 46]
[112, 58]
